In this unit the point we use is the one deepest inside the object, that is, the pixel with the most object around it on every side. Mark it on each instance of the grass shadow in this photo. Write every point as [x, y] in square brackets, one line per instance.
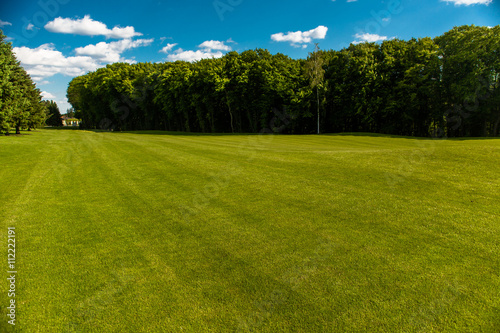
[199, 134]
[62, 128]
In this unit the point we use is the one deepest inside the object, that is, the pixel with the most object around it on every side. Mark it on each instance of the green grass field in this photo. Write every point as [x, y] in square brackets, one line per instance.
[158, 232]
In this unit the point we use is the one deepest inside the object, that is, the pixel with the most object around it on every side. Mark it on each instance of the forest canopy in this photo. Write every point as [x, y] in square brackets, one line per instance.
[446, 86]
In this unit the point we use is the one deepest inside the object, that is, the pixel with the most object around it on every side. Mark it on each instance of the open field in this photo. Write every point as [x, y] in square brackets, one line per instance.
[149, 232]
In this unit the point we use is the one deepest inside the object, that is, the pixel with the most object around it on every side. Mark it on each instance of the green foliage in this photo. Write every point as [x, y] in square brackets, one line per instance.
[20, 100]
[470, 79]
[422, 87]
[54, 115]
[71, 113]
[314, 70]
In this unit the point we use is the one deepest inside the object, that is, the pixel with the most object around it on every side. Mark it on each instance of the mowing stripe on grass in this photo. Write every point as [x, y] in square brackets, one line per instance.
[152, 231]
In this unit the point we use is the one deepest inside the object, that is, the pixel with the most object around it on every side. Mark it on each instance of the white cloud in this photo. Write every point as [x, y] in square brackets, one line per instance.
[192, 56]
[31, 27]
[469, 2]
[298, 38]
[47, 95]
[4, 23]
[370, 38]
[214, 45]
[209, 49]
[45, 61]
[89, 27]
[111, 52]
[168, 48]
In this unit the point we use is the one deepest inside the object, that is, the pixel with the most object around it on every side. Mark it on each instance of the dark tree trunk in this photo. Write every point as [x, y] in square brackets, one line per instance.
[495, 129]
[231, 116]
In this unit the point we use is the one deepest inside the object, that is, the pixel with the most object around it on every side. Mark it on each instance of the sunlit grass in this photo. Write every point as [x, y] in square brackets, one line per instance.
[153, 232]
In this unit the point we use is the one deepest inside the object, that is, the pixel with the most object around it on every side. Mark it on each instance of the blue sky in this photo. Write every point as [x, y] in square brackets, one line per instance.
[56, 40]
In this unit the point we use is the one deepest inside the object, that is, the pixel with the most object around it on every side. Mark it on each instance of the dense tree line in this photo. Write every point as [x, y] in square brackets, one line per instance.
[21, 104]
[448, 85]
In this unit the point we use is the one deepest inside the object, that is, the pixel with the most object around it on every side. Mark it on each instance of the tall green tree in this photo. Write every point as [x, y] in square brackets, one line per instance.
[20, 100]
[8, 90]
[316, 73]
[54, 115]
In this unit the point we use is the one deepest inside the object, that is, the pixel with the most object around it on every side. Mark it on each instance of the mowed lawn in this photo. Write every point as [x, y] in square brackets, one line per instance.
[159, 232]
